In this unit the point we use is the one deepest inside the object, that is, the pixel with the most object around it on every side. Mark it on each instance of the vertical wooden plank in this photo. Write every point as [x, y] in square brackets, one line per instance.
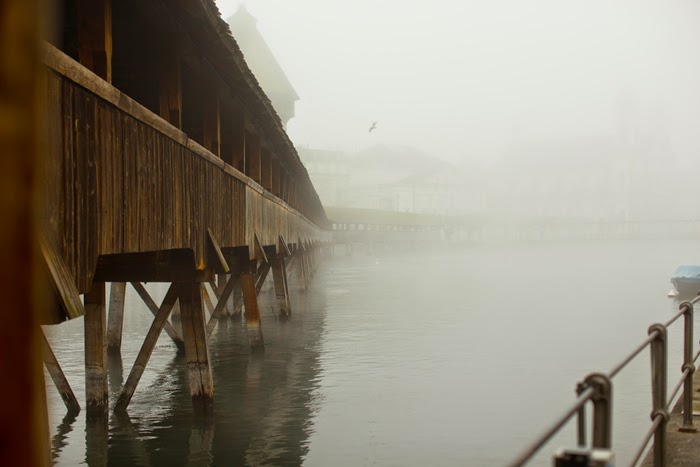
[118, 195]
[104, 161]
[96, 396]
[116, 317]
[168, 215]
[252, 312]
[53, 173]
[84, 148]
[130, 184]
[69, 162]
[199, 375]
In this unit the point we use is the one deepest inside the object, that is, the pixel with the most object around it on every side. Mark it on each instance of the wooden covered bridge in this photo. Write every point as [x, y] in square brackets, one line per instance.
[164, 162]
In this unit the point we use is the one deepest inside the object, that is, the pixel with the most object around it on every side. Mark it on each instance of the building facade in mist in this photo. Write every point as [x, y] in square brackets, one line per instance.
[263, 64]
[393, 178]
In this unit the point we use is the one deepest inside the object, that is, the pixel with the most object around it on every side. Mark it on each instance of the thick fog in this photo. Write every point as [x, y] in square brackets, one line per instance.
[600, 96]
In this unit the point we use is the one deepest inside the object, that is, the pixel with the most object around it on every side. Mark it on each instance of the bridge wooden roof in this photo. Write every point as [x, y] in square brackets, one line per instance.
[208, 27]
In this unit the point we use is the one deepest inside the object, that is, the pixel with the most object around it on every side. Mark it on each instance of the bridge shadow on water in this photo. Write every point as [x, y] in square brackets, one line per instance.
[263, 407]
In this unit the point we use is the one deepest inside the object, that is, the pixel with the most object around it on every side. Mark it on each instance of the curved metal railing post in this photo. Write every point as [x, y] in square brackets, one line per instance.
[581, 418]
[689, 367]
[602, 409]
[658, 390]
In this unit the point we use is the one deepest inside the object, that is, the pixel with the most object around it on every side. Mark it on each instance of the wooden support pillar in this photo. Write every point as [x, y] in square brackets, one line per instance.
[302, 274]
[194, 332]
[96, 397]
[117, 294]
[237, 299]
[309, 258]
[58, 377]
[266, 169]
[94, 24]
[149, 344]
[308, 268]
[279, 274]
[252, 157]
[170, 87]
[252, 313]
[212, 125]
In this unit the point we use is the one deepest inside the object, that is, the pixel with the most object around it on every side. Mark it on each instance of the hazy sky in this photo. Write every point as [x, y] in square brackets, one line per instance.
[460, 78]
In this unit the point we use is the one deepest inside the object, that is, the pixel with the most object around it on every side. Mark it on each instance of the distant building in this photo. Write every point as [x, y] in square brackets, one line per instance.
[329, 174]
[263, 64]
[393, 178]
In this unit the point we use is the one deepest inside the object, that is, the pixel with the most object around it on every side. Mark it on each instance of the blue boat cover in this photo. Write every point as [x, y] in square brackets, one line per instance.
[687, 272]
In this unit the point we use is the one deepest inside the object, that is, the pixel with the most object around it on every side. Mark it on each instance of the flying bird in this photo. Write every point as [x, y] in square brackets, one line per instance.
[374, 126]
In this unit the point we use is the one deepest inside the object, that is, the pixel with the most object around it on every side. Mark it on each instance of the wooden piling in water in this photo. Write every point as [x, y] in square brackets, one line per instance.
[302, 273]
[279, 275]
[199, 375]
[252, 313]
[115, 322]
[96, 396]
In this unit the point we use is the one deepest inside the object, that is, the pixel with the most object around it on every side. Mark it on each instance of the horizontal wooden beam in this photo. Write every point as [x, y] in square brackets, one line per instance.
[160, 266]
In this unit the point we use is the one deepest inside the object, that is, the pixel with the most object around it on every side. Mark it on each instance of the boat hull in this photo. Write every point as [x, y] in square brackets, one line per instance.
[686, 288]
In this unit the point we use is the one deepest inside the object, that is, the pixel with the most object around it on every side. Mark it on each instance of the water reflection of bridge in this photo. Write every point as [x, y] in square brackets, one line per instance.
[262, 414]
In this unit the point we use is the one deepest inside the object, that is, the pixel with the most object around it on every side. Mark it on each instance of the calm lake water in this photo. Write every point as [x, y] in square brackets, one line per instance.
[454, 357]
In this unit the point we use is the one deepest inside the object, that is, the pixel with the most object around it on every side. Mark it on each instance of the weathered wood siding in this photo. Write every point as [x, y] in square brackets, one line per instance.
[116, 184]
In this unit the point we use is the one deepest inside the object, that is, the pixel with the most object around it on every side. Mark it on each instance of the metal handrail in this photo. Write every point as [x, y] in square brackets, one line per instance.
[597, 388]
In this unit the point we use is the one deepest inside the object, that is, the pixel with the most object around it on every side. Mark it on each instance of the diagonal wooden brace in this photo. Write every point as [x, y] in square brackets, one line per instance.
[169, 329]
